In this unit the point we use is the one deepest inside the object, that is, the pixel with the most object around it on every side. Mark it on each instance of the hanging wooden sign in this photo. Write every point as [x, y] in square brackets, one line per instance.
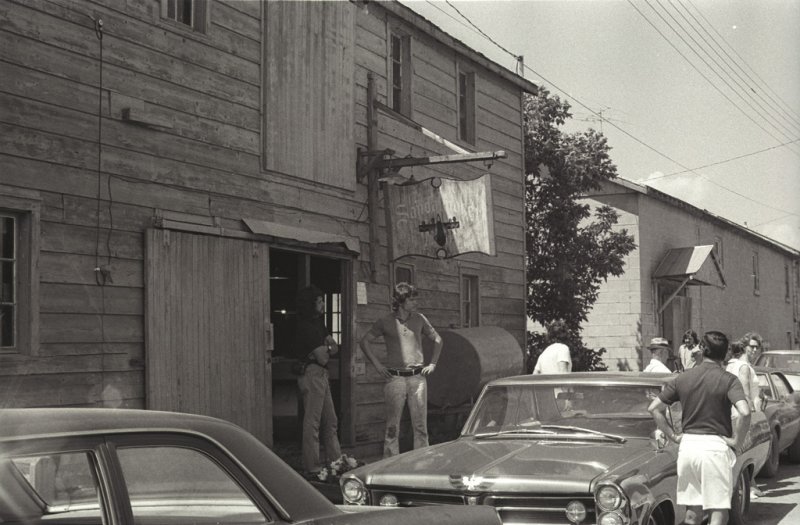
[440, 218]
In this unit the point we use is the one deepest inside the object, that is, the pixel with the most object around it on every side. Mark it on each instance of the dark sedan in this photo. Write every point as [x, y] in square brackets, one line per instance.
[555, 449]
[783, 413]
[126, 467]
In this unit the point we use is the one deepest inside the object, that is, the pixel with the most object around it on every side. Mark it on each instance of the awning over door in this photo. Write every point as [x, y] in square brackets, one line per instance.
[275, 229]
[697, 265]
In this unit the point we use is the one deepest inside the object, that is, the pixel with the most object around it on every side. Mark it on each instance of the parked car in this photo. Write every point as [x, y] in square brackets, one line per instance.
[573, 448]
[787, 360]
[783, 413]
[125, 467]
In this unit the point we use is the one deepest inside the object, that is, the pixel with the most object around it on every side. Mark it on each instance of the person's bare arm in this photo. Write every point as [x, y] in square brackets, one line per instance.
[742, 424]
[744, 378]
[658, 409]
[366, 346]
[437, 350]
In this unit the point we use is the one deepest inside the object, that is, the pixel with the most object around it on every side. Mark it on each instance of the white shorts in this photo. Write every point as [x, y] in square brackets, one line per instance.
[705, 472]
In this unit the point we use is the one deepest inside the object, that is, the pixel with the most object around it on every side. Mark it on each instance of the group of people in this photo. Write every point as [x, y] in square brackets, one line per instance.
[404, 370]
[718, 391]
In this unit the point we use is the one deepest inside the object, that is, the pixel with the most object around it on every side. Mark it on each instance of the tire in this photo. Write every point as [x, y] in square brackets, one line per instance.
[740, 502]
[657, 517]
[770, 468]
[794, 450]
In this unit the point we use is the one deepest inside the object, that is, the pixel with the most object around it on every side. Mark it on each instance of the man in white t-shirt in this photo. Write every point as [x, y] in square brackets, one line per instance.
[659, 351]
[555, 359]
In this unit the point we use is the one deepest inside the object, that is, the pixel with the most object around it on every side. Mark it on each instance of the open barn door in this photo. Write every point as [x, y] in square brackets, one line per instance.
[208, 332]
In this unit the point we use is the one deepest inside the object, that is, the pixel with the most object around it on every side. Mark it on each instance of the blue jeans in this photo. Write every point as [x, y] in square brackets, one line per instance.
[397, 391]
[319, 418]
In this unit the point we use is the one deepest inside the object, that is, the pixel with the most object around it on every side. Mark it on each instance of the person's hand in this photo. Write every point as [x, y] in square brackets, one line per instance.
[383, 372]
[733, 444]
[333, 348]
[428, 369]
[676, 438]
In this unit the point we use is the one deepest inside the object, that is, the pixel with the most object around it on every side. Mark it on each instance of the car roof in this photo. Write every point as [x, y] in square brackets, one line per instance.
[43, 422]
[785, 352]
[620, 378]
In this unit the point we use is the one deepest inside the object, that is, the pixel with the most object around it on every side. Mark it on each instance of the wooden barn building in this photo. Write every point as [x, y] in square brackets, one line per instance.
[173, 171]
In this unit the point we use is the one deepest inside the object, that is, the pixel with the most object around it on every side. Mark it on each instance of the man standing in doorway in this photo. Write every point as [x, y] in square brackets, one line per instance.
[405, 371]
[709, 440]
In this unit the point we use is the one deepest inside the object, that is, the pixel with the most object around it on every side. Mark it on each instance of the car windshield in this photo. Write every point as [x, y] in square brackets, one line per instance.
[544, 410]
[788, 361]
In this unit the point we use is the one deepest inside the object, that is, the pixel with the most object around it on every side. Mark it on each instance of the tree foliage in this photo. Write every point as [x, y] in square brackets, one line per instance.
[571, 249]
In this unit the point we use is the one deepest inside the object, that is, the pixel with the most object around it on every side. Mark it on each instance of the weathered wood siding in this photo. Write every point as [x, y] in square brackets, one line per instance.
[308, 91]
[199, 150]
[498, 127]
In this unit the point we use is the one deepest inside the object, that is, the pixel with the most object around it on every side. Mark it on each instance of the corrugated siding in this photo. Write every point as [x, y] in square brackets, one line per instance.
[219, 368]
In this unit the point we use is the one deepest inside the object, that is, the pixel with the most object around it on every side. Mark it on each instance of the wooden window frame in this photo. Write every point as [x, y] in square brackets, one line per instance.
[756, 275]
[401, 102]
[25, 207]
[787, 283]
[403, 266]
[472, 278]
[719, 251]
[199, 15]
[466, 105]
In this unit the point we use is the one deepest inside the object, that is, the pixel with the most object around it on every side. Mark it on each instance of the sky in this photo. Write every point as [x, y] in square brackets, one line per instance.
[699, 99]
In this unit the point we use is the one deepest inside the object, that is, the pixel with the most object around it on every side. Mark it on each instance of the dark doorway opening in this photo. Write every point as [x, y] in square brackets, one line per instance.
[289, 272]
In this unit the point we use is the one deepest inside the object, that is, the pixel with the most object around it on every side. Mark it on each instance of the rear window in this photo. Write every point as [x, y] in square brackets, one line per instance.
[789, 361]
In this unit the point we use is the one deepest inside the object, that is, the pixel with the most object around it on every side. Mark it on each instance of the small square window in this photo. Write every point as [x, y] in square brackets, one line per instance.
[403, 273]
[190, 13]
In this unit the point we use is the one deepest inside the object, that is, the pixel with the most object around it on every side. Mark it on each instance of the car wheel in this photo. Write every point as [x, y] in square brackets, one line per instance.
[770, 468]
[740, 502]
[794, 450]
[657, 517]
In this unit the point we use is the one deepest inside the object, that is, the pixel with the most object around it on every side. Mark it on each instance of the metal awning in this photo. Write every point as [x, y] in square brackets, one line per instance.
[689, 266]
[296, 233]
[697, 265]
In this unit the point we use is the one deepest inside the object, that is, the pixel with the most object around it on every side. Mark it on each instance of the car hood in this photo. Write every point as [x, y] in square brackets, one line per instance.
[502, 464]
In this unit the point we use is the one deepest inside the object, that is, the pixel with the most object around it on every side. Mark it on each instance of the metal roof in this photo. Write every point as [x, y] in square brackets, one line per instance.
[698, 264]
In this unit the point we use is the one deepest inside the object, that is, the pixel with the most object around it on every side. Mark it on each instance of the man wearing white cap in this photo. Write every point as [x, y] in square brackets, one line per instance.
[659, 350]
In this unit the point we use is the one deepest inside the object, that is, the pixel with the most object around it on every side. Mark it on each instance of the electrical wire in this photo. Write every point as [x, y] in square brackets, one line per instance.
[623, 131]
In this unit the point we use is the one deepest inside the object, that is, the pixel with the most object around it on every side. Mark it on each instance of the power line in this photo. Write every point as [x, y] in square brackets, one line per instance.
[618, 128]
[743, 61]
[724, 161]
[694, 66]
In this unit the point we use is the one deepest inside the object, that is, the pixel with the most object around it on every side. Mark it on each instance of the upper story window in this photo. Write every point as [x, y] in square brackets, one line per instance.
[466, 106]
[403, 273]
[470, 301]
[400, 72]
[718, 251]
[191, 13]
[787, 282]
[756, 276]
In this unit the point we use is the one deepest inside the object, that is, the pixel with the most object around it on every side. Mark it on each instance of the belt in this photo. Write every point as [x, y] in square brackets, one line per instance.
[405, 372]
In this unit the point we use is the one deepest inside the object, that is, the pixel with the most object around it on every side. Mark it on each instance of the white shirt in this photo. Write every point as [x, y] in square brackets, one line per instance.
[657, 366]
[549, 359]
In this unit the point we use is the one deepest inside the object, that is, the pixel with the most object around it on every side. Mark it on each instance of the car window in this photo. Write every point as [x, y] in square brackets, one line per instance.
[56, 487]
[619, 409]
[763, 384]
[183, 485]
[790, 361]
[781, 387]
[794, 381]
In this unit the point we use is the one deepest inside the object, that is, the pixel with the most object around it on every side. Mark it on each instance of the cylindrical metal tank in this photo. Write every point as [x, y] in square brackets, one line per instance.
[471, 357]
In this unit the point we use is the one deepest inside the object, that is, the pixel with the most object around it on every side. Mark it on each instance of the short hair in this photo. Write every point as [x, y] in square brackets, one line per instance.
[691, 334]
[401, 292]
[715, 345]
[737, 348]
[306, 301]
[557, 329]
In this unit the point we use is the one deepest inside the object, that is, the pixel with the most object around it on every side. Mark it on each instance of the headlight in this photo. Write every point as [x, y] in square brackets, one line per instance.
[388, 500]
[576, 511]
[354, 491]
[608, 498]
[611, 518]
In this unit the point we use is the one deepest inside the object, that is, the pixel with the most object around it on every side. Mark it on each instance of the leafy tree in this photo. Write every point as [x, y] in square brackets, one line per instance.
[570, 249]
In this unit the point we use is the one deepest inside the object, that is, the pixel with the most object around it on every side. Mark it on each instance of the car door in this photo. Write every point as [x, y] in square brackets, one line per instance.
[185, 479]
[790, 413]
